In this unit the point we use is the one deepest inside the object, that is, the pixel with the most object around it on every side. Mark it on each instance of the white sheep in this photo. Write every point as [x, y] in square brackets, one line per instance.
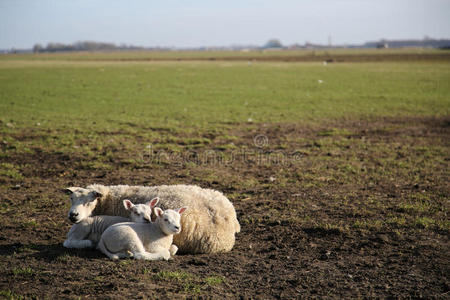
[209, 226]
[149, 241]
[86, 232]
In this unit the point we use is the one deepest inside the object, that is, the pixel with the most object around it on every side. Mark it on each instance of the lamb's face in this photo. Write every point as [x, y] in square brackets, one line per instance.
[141, 213]
[83, 202]
[169, 220]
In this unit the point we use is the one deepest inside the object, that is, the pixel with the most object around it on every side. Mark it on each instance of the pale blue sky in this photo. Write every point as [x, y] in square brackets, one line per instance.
[219, 23]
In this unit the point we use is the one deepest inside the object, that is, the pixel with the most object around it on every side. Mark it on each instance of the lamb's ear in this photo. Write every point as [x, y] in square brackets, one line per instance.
[159, 212]
[127, 204]
[69, 190]
[182, 210]
[153, 202]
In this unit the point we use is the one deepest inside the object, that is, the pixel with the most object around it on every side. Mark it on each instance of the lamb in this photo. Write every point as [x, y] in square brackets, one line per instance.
[209, 226]
[86, 232]
[149, 241]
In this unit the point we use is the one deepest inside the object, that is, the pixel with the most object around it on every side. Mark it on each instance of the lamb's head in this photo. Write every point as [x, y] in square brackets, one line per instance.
[82, 201]
[140, 213]
[169, 220]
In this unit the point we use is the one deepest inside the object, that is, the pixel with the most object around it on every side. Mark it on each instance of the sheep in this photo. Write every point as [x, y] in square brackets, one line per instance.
[209, 226]
[86, 233]
[149, 241]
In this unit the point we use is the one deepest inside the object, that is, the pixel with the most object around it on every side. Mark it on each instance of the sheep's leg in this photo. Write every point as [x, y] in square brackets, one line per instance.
[137, 250]
[76, 237]
[140, 253]
[161, 254]
[118, 255]
[143, 255]
[124, 254]
[78, 244]
[151, 256]
[164, 254]
[173, 250]
[102, 247]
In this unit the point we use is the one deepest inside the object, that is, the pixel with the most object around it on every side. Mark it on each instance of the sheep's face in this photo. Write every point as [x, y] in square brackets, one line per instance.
[169, 220]
[83, 202]
[140, 213]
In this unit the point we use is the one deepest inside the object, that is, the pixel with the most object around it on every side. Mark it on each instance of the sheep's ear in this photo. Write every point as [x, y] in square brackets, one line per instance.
[96, 194]
[182, 210]
[153, 202]
[127, 204]
[69, 190]
[158, 211]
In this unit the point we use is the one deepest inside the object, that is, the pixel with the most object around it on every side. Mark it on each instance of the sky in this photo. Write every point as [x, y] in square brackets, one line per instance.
[193, 23]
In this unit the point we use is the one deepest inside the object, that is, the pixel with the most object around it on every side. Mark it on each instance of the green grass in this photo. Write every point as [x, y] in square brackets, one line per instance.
[191, 283]
[129, 96]
[424, 222]
[23, 271]
[10, 295]
[64, 258]
[30, 223]
[214, 280]
[10, 170]
[176, 275]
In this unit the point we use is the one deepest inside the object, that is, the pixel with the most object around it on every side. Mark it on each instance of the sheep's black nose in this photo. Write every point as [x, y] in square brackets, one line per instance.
[176, 227]
[72, 214]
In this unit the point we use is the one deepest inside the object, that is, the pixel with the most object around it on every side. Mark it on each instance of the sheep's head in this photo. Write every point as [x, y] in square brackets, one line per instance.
[83, 202]
[140, 213]
[169, 220]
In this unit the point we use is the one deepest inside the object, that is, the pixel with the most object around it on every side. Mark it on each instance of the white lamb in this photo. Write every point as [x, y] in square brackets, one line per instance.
[209, 226]
[86, 232]
[149, 241]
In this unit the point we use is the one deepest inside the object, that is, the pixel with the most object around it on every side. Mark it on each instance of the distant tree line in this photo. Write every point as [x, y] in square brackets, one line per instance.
[426, 42]
[270, 44]
[81, 46]
[273, 43]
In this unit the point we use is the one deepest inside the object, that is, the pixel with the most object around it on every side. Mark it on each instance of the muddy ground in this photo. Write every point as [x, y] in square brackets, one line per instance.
[348, 209]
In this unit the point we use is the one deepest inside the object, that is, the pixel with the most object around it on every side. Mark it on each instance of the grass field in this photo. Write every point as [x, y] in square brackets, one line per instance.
[338, 172]
[209, 94]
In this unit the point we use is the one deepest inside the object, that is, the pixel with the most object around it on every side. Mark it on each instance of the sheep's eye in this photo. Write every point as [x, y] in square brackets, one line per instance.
[166, 220]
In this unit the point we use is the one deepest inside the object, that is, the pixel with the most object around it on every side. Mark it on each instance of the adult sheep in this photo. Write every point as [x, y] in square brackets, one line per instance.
[209, 226]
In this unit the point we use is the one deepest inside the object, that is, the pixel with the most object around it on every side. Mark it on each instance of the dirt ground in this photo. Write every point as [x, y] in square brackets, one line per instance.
[352, 209]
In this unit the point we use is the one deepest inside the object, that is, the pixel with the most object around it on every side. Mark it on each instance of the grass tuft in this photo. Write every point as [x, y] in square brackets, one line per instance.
[10, 295]
[191, 283]
[23, 271]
